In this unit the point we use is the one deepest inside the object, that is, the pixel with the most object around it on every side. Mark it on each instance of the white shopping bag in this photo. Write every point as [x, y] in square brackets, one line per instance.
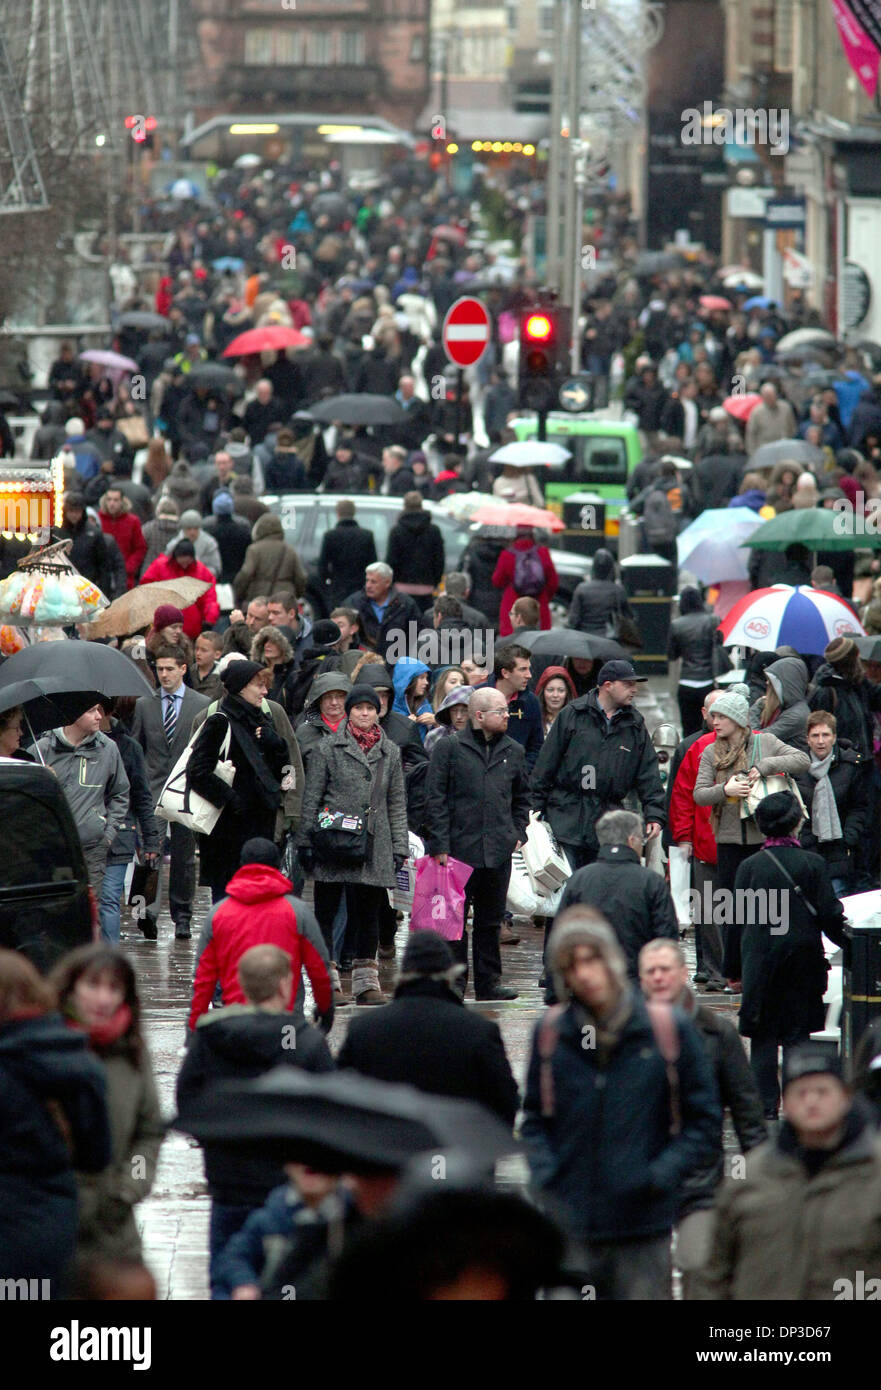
[680, 883]
[522, 898]
[401, 896]
[546, 864]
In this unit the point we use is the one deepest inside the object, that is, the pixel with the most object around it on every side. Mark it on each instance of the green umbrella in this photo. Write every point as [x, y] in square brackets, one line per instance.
[816, 528]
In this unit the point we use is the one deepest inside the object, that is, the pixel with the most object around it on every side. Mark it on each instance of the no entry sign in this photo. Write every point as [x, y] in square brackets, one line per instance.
[466, 331]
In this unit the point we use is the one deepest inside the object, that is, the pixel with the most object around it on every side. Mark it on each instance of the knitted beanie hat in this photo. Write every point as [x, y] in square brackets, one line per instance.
[734, 704]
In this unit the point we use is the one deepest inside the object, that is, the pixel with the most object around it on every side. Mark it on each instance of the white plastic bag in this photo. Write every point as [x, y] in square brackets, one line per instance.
[187, 807]
[546, 864]
[680, 882]
[522, 898]
[401, 896]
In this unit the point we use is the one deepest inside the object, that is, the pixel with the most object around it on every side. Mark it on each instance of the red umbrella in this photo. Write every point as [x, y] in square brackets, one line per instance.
[714, 302]
[269, 339]
[517, 514]
[447, 233]
[742, 407]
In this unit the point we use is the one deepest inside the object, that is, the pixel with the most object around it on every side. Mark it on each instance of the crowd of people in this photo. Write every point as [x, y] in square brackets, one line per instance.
[331, 759]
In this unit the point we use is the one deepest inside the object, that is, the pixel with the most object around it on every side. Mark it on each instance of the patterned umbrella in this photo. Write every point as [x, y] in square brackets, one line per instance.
[804, 618]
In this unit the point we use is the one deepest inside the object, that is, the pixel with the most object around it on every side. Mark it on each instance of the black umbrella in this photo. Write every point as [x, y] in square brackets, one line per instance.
[141, 318]
[46, 704]
[213, 375]
[566, 641]
[77, 666]
[811, 352]
[655, 262]
[365, 409]
[342, 1122]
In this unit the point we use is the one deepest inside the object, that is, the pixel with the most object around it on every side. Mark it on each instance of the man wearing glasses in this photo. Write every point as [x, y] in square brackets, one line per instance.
[477, 810]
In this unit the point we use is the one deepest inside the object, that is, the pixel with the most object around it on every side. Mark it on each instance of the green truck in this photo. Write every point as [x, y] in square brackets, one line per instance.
[604, 454]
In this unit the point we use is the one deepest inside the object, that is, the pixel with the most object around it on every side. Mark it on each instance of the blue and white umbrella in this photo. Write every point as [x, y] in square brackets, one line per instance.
[710, 547]
[183, 188]
[804, 618]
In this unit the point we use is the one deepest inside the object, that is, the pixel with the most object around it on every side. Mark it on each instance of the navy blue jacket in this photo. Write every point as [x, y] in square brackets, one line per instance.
[606, 1156]
[524, 723]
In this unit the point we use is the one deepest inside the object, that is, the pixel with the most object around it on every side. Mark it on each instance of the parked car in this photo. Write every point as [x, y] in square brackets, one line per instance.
[307, 516]
[46, 904]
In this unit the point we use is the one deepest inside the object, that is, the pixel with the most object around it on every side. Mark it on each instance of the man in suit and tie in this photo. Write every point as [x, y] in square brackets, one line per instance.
[162, 724]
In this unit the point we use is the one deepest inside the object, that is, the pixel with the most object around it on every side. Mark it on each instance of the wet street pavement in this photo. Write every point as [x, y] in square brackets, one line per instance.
[174, 1219]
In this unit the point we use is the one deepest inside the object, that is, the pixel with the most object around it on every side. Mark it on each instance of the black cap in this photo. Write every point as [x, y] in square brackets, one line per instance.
[362, 695]
[184, 547]
[260, 851]
[238, 674]
[426, 953]
[325, 633]
[618, 671]
[812, 1059]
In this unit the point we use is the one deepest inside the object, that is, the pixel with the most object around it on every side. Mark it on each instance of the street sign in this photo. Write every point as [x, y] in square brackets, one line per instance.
[466, 331]
[576, 393]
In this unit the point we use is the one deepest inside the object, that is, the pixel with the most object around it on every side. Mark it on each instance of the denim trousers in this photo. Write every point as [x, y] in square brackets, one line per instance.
[109, 902]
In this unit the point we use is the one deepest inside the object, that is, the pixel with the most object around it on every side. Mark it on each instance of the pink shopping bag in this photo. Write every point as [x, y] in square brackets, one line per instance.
[439, 897]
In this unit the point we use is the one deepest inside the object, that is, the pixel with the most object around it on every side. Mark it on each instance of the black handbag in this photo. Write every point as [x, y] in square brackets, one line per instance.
[342, 837]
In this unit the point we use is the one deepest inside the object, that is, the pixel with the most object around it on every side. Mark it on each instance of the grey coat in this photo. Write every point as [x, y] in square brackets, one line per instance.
[338, 776]
[709, 787]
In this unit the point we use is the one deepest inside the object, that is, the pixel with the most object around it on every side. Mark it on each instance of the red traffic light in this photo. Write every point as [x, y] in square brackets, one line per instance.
[140, 126]
[538, 327]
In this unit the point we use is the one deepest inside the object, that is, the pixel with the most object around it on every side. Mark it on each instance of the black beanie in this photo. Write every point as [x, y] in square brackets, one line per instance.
[362, 695]
[778, 814]
[184, 547]
[325, 633]
[426, 953]
[260, 851]
[238, 674]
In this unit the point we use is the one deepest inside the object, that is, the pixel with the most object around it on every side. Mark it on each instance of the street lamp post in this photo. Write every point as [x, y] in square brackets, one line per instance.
[580, 151]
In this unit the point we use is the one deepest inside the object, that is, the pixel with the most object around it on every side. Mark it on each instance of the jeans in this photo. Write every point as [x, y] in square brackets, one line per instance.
[487, 890]
[226, 1221]
[108, 903]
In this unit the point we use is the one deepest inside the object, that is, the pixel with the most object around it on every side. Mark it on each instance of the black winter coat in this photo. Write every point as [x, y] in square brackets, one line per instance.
[852, 705]
[248, 810]
[477, 804]
[346, 551]
[236, 1043]
[41, 1060]
[849, 776]
[738, 1093]
[783, 971]
[90, 553]
[140, 807]
[414, 763]
[635, 900]
[233, 537]
[718, 478]
[379, 636]
[692, 637]
[479, 560]
[605, 1156]
[416, 550]
[427, 1038]
[588, 766]
[595, 604]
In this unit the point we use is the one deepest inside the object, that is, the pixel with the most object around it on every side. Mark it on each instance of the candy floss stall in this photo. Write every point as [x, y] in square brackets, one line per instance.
[45, 592]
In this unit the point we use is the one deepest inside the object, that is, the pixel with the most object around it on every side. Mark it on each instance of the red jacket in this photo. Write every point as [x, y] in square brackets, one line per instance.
[206, 610]
[688, 821]
[503, 578]
[126, 531]
[254, 913]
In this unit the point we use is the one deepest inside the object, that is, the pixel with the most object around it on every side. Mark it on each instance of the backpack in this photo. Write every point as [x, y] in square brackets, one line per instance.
[666, 1034]
[659, 518]
[529, 574]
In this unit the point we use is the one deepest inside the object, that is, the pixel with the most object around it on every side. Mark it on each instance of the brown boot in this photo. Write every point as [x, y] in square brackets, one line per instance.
[365, 983]
[336, 986]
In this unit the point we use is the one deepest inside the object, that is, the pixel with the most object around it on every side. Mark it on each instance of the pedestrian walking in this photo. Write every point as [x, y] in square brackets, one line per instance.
[162, 724]
[598, 600]
[784, 966]
[525, 569]
[270, 563]
[259, 908]
[346, 551]
[554, 690]
[783, 708]
[181, 563]
[231, 533]
[324, 711]
[597, 752]
[240, 1042]
[477, 810]
[450, 716]
[91, 774]
[204, 544]
[119, 521]
[384, 613]
[161, 531]
[512, 672]
[98, 995]
[259, 755]
[802, 1223]
[835, 791]
[411, 680]
[53, 1120]
[355, 774]
[138, 828]
[620, 1108]
[207, 650]
[663, 975]
[426, 1037]
[415, 549]
[635, 900]
[692, 641]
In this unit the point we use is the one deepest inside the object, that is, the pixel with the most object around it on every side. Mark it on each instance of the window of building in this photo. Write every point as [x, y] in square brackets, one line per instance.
[289, 47]
[320, 47]
[352, 47]
[784, 24]
[546, 16]
[258, 46]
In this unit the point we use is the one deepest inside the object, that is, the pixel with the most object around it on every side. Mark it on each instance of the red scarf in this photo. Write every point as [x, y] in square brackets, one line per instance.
[365, 738]
[333, 727]
[104, 1034]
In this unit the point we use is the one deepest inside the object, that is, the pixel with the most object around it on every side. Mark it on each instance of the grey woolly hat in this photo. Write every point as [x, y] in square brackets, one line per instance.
[191, 517]
[734, 704]
[583, 926]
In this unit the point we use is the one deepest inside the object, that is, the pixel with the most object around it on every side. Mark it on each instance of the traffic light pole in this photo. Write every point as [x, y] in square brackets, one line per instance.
[460, 393]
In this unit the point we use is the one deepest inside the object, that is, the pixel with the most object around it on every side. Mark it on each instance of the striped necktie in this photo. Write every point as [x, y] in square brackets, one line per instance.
[169, 720]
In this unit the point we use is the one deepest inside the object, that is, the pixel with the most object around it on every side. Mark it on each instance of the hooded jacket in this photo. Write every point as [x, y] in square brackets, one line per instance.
[206, 610]
[94, 783]
[622, 759]
[126, 531]
[405, 671]
[157, 534]
[207, 551]
[183, 486]
[789, 679]
[416, 549]
[598, 600]
[270, 563]
[312, 729]
[256, 911]
[241, 1042]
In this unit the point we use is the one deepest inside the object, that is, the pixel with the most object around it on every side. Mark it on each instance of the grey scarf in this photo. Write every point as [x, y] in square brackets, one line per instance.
[824, 813]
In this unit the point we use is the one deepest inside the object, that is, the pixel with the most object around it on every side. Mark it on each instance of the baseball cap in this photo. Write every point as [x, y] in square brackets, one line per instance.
[618, 671]
[812, 1059]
